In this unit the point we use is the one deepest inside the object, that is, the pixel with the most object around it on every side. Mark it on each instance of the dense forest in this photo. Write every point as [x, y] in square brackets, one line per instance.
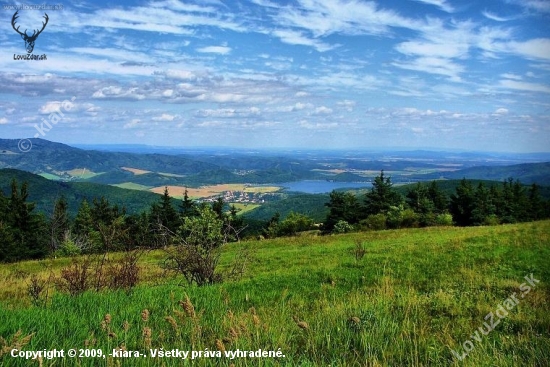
[101, 226]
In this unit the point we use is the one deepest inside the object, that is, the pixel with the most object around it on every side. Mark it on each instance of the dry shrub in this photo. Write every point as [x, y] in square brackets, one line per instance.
[124, 273]
[98, 273]
[77, 277]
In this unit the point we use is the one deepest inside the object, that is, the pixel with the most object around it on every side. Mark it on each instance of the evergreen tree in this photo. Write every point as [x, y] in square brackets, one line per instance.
[217, 207]
[187, 206]
[483, 208]
[59, 223]
[505, 209]
[83, 222]
[536, 203]
[520, 203]
[462, 203]
[164, 213]
[28, 230]
[343, 207]
[382, 196]
[420, 202]
[438, 198]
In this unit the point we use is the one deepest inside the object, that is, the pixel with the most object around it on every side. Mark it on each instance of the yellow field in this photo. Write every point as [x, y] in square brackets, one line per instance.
[206, 191]
[135, 171]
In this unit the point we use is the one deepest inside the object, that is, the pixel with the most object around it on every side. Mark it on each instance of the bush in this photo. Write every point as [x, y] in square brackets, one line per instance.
[491, 220]
[342, 227]
[409, 219]
[444, 219]
[293, 224]
[376, 222]
[197, 252]
[394, 217]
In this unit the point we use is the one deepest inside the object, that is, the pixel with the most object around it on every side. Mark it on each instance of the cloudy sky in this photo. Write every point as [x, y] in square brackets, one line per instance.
[450, 74]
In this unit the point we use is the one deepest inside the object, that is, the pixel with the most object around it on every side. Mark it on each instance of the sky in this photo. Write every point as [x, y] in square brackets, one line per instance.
[308, 74]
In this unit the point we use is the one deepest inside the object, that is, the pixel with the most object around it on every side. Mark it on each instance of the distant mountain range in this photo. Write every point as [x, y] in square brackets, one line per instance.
[208, 166]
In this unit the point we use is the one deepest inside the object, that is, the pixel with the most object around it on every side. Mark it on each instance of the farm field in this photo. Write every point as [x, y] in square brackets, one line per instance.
[132, 186]
[206, 191]
[243, 208]
[416, 298]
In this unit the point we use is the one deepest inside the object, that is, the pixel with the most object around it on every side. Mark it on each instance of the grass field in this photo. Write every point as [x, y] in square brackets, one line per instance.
[417, 295]
[50, 176]
[132, 186]
[243, 208]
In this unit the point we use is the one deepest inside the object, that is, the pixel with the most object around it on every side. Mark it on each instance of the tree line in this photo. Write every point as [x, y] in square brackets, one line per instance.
[100, 227]
[427, 205]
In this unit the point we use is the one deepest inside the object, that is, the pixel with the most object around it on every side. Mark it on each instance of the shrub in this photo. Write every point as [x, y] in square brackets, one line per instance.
[376, 222]
[409, 219]
[197, 252]
[444, 219]
[342, 227]
[491, 220]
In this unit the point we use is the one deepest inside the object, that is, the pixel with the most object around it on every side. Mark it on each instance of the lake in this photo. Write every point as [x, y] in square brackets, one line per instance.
[319, 186]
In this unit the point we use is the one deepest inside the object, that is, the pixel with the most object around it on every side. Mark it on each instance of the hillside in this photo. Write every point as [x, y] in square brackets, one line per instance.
[415, 299]
[527, 173]
[45, 192]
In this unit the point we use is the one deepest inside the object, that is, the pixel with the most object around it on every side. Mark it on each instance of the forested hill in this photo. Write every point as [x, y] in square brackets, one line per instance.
[44, 193]
[527, 173]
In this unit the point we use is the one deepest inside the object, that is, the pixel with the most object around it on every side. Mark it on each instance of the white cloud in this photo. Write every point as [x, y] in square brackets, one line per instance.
[297, 38]
[433, 65]
[538, 48]
[222, 50]
[164, 117]
[524, 86]
[441, 4]
[3, 120]
[511, 76]
[133, 123]
[495, 17]
[50, 107]
[323, 110]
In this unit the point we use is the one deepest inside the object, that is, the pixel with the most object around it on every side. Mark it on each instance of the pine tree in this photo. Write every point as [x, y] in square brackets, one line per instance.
[536, 203]
[187, 206]
[83, 222]
[59, 223]
[343, 206]
[382, 196]
[438, 198]
[28, 230]
[164, 213]
[483, 208]
[462, 203]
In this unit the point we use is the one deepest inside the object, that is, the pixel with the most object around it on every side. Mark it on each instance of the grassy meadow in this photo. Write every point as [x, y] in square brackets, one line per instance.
[416, 295]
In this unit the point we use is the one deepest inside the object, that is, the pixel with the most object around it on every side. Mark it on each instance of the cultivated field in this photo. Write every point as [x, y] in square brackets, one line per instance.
[206, 191]
[415, 297]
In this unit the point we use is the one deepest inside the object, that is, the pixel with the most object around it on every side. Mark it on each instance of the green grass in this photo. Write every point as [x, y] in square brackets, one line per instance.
[244, 208]
[132, 186]
[49, 176]
[417, 294]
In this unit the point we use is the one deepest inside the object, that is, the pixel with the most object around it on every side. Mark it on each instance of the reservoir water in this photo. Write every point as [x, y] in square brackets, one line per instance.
[319, 186]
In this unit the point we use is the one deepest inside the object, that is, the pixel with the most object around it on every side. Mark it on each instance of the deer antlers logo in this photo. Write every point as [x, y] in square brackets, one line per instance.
[29, 40]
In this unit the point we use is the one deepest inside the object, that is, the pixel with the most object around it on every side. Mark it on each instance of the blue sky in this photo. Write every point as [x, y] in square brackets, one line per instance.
[340, 74]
